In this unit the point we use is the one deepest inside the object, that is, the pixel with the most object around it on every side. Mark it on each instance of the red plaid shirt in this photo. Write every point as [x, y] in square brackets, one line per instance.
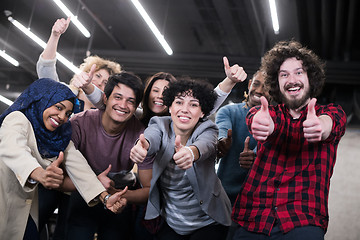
[290, 178]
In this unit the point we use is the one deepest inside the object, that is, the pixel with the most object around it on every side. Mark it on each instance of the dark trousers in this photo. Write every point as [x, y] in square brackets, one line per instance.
[213, 232]
[31, 232]
[49, 200]
[298, 233]
[85, 221]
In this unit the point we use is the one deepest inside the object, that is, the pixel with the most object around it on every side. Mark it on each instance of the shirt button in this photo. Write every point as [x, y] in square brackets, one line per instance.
[278, 189]
[201, 202]
[275, 208]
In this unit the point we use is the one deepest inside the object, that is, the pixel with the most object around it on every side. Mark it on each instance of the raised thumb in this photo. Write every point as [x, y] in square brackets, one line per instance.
[246, 144]
[229, 133]
[264, 104]
[92, 70]
[226, 63]
[59, 160]
[106, 171]
[177, 143]
[143, 141]
[311, 108]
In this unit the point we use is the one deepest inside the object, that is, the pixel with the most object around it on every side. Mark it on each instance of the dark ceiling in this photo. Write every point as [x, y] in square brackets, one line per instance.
[200, 32]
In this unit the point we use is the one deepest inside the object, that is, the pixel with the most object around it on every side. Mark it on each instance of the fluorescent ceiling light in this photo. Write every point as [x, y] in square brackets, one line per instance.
[73, 18]
[42, 44]
[152, 26]
[9, 58]
[5, 100]
[274, 16]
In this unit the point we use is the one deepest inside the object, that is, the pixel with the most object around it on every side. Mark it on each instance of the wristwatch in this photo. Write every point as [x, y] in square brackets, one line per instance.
[106, 199]
[32, 181]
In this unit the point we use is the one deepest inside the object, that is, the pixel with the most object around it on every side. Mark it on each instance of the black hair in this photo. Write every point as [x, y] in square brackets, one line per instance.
[128, 79]
[147, 113]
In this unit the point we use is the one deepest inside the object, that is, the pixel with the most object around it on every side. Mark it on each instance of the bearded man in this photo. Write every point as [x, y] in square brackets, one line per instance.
[285, 195]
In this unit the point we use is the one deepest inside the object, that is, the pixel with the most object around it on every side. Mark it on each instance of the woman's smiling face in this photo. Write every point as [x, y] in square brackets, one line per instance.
[185, 112]
[57, 114]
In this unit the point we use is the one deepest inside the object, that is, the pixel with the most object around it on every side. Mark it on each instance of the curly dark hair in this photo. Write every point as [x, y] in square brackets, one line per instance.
[274, 58]
[199, 89]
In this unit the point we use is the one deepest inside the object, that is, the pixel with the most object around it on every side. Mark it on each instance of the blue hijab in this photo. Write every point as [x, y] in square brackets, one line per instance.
[40, 95]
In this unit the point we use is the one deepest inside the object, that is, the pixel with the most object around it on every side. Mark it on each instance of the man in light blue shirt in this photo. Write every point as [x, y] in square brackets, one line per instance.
[233, 132]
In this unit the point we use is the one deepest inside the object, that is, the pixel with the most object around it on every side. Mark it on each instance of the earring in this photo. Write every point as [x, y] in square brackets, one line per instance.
[169, 111]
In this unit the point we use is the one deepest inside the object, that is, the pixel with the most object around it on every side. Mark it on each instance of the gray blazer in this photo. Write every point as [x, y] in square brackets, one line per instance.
[203, 179]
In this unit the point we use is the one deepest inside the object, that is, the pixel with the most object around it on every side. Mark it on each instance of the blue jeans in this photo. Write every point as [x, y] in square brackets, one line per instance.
[298, 233]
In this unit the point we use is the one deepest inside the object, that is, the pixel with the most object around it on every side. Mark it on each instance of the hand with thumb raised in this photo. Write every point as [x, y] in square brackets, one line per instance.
[60, 26]
[184, 156]
[83, 79]
[247, 156]
[235, 73]
[262, 125]
[312, 125]
[53, 175]
[106, 181]
[224, 145]
[139, 151]
[178, 145]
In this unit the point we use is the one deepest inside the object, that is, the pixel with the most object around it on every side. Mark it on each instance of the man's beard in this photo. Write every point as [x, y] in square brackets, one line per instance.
[293, 103]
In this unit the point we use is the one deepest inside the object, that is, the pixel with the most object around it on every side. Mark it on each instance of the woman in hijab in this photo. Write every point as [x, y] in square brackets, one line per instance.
[34, 140]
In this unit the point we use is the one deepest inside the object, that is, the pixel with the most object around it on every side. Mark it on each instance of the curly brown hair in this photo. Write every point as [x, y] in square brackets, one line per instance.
[101, 63]
[312, 65]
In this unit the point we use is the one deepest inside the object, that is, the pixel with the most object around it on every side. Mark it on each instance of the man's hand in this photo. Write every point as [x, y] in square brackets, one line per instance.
[262, 125]
[183, 157]
[312, 127]
[116, 203]
[139, 151]
[53, 175]
[247, 156]
[235, 73]
[106, 181]
[224, 145]
[60, 26]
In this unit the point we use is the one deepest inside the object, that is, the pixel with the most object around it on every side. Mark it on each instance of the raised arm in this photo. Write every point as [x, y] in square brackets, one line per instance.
[45, 67]
[234, 74]
[59, 28]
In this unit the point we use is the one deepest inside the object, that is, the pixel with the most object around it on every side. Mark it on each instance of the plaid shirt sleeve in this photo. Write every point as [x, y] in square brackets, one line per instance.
[290, 178]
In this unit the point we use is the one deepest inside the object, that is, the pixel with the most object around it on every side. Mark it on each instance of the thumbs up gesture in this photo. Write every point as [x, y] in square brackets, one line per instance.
[53, 175]
[83, 79]
[247, 156]
[60, 26]
[235, 73]
[184, 156]
[139, 151]
[106, 181]
[312, 125]
[262, 125]
[224, 144]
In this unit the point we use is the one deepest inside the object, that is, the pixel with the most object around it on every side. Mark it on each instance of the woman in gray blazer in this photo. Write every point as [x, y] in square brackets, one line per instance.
[185, 190]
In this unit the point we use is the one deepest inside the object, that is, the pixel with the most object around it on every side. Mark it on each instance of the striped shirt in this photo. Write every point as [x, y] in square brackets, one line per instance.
[290, 178]
[182, 209]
